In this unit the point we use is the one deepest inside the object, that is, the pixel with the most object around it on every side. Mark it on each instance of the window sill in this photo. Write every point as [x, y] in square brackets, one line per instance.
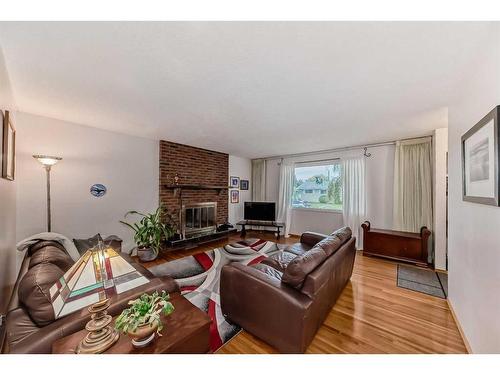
[325, 210]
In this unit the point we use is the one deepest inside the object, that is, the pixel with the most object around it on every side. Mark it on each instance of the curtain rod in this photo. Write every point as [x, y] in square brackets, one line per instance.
[317, 161]
[348, 148]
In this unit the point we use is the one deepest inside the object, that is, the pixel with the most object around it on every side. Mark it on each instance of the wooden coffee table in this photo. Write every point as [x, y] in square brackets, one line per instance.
[186, 330]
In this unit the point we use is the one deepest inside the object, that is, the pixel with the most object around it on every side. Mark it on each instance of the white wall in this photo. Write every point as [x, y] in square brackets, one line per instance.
[242, 168]
[474, 235]
[440, 143]
[379, 181]
[126, 165]
[7, 207]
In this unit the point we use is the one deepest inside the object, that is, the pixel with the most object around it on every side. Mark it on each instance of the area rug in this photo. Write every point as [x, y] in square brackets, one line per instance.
[422, 280]
[198, 277]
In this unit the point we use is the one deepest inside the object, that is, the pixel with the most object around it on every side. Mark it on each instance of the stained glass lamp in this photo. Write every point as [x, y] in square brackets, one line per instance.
[99, 274]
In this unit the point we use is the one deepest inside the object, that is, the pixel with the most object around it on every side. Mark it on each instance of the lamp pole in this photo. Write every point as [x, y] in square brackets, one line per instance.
[48, 162]
[49, 224]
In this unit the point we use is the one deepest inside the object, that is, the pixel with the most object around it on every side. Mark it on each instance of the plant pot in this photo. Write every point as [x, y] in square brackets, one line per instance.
[146, 254]
[143, 334]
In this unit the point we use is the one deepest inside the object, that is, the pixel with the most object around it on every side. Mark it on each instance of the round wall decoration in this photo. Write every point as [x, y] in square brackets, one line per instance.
[98, 190]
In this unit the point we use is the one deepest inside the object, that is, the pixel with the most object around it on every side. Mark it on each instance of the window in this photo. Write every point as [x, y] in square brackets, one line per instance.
[318, 186]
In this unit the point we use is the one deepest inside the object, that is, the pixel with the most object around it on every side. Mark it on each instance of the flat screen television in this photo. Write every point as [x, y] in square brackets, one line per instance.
[263, 211]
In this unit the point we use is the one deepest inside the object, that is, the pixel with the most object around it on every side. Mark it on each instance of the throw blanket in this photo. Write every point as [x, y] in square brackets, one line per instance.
[50, 236]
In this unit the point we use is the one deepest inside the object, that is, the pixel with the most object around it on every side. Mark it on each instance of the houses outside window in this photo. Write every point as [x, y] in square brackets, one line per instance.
[318, 186]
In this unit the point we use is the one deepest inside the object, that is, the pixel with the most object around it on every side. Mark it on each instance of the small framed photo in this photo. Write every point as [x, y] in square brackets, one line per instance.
[243, 184]
[235, 196]
[234, 182]
[480, 161]
[8, 147]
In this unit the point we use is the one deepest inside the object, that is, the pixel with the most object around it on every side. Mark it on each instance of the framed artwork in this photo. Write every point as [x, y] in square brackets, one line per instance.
[8, 147]
[234, 182]
[480, 161]
[243, 184]
[235, 196]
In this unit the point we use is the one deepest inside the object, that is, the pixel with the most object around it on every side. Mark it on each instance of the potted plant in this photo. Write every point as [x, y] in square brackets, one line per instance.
[142, 320]
[149, 233]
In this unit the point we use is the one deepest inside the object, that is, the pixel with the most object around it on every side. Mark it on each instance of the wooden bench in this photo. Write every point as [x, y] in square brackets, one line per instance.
[402, 246]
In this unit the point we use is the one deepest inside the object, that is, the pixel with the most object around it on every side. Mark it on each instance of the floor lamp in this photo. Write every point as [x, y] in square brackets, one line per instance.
[47, 162]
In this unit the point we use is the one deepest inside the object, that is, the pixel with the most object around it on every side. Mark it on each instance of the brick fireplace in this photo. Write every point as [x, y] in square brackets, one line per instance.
[190, 176]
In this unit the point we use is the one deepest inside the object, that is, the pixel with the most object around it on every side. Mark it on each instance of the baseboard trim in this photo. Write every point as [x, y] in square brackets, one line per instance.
[462, 334]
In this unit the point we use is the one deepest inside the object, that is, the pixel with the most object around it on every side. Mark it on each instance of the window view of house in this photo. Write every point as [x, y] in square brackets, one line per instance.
[318, 186]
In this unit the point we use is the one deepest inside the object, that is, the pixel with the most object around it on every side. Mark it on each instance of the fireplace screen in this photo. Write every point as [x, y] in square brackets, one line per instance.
[198, 219]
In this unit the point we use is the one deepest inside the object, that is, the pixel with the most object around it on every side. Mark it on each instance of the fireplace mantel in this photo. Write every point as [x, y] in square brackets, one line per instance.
[178, 188]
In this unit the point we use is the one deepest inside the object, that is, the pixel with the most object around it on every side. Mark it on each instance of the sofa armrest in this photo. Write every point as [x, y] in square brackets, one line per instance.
[264, 306]
[311, 238]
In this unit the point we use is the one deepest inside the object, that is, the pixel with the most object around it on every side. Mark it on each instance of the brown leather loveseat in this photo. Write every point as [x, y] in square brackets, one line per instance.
[30, 325]
[284, 299]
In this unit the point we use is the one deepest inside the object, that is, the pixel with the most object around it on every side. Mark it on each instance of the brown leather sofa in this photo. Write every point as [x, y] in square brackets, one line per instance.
[285, 299]
[30, 326]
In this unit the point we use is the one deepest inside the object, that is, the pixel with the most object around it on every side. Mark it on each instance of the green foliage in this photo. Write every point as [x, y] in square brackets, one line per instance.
[323, 199]
[150, 231]
[146, 309]
[335, 190]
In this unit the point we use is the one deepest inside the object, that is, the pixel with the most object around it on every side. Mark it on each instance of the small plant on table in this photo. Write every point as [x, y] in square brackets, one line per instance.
[142, 320]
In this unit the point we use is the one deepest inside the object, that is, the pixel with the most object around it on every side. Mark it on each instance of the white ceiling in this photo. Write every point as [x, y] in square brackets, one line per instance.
[252, 89]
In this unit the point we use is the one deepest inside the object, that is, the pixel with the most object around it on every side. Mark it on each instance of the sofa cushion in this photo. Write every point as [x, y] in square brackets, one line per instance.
[297, 270]
[330, 244]
[298, 248]
[114, 242]
[268, 270]
[34, 292]
[280, 260]
[344, 234]
[42, 244]
[83, 245]
[54, 255]
[311, 238]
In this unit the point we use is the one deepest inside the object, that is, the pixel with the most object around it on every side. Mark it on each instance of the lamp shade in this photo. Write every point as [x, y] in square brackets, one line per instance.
[47, 160]
[100, 273]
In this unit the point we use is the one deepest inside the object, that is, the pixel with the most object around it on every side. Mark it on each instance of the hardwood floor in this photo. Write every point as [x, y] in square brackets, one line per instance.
[372, 315]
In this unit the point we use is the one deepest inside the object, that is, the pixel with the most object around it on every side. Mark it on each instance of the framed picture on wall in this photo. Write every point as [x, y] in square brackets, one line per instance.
[8, 147]
[235, 196]
[480, 161]
[234, 182]
[243, 184]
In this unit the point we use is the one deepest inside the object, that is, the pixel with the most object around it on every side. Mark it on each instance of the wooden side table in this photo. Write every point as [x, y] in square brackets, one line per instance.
[186, 330]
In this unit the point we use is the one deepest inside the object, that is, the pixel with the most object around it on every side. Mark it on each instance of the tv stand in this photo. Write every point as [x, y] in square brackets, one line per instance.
[260, 223]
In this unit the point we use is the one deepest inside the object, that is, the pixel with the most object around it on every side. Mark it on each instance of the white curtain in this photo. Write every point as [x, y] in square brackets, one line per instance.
[354, 196]
[258, 180]
[285, 195]
[413, 185]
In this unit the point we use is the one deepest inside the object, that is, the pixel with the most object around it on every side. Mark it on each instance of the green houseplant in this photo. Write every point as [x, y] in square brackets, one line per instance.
[143, 318]
[149, 233]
